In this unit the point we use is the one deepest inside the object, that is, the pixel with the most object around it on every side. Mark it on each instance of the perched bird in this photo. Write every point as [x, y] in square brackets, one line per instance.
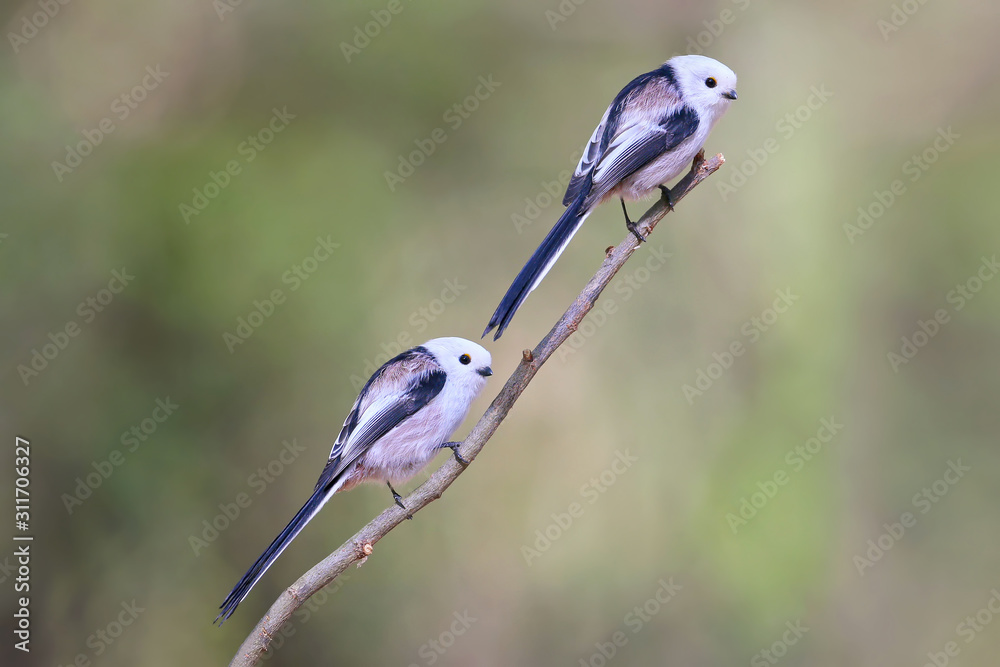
[402, 418]
[652, 130]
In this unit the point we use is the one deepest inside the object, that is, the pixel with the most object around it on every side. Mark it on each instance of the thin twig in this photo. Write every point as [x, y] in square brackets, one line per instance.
[360, 547]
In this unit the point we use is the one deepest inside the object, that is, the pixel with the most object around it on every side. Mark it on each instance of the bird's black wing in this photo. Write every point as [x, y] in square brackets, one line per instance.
[378, 418]
[608, 128]
[637, 145]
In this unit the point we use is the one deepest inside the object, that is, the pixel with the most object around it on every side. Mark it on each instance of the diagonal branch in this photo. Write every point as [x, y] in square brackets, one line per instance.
[359, 547]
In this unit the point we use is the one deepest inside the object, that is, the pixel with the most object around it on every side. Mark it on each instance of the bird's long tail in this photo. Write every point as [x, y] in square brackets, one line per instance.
[538, 265]
[294, 527]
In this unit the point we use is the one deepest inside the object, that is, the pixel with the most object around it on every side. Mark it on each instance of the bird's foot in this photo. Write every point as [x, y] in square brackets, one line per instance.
[453, 446]
[398, 499]
[632, 227]
[667, 197]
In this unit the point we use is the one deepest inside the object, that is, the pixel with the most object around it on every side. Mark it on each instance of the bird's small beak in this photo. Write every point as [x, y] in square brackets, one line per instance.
[485, 371]
[729, 95]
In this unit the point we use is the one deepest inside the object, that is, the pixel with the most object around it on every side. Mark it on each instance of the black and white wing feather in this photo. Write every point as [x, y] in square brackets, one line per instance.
[591, 154]
[646, 118]
[635, 146]
[400, 388]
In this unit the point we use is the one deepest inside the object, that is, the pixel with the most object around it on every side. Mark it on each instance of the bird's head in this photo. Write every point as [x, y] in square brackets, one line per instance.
[706, 84]
[462, 360]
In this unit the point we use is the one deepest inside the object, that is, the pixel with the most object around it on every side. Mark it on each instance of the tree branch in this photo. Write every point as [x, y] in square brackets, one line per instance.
[359, 547]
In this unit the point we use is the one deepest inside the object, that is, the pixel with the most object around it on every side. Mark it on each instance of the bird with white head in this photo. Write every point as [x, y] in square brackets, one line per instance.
[402, 418]
[649, 134]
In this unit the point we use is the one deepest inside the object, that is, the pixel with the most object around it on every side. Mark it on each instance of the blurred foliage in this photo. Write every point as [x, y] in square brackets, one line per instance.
[782, 215]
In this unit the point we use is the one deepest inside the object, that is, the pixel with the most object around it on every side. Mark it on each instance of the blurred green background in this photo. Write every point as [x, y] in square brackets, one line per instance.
[724, 496]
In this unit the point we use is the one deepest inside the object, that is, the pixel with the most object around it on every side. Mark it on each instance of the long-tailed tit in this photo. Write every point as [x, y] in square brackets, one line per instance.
[402, 418]
[652, 130]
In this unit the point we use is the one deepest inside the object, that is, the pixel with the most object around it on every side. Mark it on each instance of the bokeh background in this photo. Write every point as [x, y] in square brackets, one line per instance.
[835, 102]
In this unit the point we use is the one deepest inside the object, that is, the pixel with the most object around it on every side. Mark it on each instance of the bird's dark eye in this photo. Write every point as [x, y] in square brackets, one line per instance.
[711, 82]
[465, 359]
